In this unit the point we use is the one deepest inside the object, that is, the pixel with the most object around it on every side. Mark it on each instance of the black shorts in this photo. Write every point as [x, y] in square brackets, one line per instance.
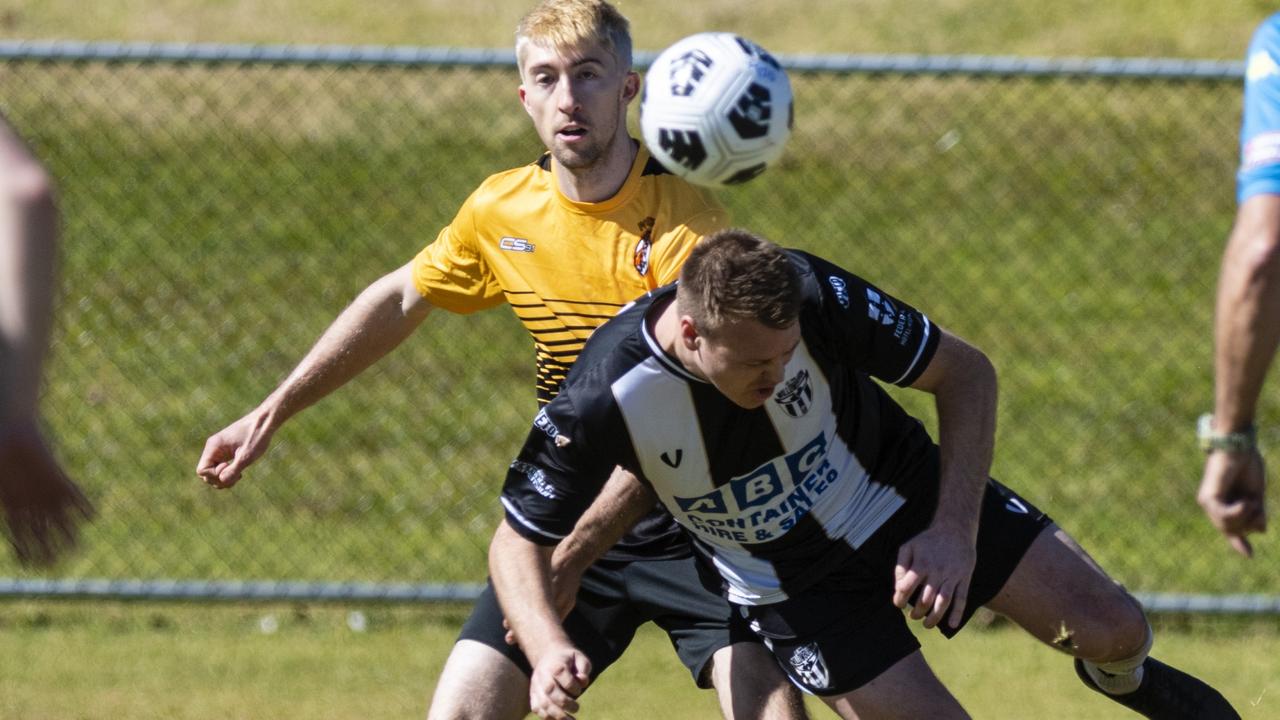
[842, 632]
[617, 598]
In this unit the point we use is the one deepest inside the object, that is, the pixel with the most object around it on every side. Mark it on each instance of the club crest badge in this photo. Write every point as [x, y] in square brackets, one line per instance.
[810, 667]
[796, 396]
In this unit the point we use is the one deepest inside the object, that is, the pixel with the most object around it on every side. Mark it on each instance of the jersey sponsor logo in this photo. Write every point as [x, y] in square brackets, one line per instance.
[880, 308]
[674, 462]
[842, 291]
[766, 502]
[514, 244]
[537, 478]
[543, 422]
[1261, 66]
[640, 257]
[796, 395]
[810, 666]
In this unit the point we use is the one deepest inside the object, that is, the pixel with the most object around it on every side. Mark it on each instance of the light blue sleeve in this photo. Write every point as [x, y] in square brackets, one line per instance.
[1260, 125]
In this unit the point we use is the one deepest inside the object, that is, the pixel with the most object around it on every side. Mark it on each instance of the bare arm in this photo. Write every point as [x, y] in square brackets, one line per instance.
[939, 561]
[521, 576]
[1247, 329]
[375, 323]
[28, 247]
[621, 504]
[42, 506]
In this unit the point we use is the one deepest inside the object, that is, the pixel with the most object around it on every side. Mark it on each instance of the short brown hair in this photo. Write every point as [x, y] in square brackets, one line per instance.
[737, 275]
[573, 23]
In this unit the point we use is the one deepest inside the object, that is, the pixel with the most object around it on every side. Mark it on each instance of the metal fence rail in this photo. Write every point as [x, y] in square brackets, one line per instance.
[223, 202]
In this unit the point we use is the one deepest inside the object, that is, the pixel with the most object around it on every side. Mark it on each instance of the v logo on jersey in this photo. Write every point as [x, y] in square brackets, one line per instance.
[673, 463]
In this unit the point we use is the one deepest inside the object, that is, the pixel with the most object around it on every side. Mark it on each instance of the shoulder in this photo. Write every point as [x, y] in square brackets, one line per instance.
[674, 191]
[500, 187]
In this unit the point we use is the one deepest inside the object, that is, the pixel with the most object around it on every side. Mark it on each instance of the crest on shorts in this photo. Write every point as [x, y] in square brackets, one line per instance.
[809, 665]
[796, 395]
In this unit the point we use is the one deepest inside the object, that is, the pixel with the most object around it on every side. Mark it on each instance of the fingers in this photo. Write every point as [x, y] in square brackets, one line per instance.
[1241, 544]
[554, 689]
[905, 579]
[43, 507]
[221, 463]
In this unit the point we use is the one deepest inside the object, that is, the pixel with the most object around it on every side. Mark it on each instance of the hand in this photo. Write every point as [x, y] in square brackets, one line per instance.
[933, 573]
[1232, 494]
[233, 449]
[42, 506]
[559, 677]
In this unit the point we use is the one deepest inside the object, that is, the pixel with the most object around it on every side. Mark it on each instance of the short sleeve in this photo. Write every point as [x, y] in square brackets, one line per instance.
[878, 333]
[451, 273]
[1260, 122]
[556, 476]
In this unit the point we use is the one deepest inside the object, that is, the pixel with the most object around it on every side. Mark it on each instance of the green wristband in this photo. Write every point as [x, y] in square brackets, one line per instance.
[1232, 442]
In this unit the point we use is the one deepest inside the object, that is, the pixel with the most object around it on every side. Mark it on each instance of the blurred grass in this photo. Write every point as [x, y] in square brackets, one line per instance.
[1180, 28]
[193, 662]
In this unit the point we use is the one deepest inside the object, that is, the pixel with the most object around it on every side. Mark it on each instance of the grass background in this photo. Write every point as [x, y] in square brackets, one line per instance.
[218, 218]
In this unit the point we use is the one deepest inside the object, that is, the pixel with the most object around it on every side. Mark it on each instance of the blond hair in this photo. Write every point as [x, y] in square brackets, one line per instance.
[564, 24]
[737, 275]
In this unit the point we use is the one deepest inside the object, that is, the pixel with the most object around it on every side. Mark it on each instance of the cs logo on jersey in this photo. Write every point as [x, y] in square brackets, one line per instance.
[513, 244]
[796, 395]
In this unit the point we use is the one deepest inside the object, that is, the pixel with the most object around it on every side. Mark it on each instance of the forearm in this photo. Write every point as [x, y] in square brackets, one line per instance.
[375, 323]
[1247, 326]
[966, 406]
[622, 502]
[521, 575]
[28, 247]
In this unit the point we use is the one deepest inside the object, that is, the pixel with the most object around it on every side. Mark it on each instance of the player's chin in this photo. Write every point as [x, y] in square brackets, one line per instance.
[575, 155]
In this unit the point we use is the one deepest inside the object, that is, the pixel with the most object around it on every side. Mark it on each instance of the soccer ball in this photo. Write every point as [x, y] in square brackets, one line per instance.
[716, 109]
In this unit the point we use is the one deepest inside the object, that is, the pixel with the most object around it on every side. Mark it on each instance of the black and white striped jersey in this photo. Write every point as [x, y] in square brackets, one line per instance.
[771, 496]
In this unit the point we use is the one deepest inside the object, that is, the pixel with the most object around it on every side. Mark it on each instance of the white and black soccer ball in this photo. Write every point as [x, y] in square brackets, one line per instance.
[716, 109]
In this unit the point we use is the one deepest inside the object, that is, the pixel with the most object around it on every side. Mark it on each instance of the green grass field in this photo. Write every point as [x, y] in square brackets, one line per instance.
[217, 218]
[183, 662]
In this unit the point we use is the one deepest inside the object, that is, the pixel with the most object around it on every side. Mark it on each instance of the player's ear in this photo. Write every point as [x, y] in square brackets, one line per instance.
[631, 86]
[524, 99]
[688, 333]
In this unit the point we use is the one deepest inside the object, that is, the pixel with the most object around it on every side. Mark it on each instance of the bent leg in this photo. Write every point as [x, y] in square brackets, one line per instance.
[479, 683]
[1061, 596]
[751, 686]
[908, 689]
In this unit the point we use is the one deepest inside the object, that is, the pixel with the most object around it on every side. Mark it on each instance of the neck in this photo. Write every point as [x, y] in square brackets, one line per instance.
[601, 180]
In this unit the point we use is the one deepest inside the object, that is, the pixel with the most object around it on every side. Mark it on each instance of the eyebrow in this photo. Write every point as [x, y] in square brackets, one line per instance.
[574, 66]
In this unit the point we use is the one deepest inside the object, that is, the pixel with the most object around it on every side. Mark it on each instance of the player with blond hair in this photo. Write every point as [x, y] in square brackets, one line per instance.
[566, 241]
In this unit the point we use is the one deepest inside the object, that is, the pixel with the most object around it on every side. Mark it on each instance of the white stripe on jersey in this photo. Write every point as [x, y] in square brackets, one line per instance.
[817, 476]
[511, 508]
[924, 342]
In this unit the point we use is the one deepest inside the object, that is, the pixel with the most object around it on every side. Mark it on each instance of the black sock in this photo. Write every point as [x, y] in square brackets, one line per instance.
[1167, 693]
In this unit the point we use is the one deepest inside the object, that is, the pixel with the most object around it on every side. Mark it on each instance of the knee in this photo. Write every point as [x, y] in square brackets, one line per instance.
[1123, 629]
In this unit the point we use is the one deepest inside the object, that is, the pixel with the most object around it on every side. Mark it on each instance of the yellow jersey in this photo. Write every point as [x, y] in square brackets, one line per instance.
[565, 267]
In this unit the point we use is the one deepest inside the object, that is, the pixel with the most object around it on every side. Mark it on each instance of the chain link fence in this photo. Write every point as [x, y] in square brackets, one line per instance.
[222, 205]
